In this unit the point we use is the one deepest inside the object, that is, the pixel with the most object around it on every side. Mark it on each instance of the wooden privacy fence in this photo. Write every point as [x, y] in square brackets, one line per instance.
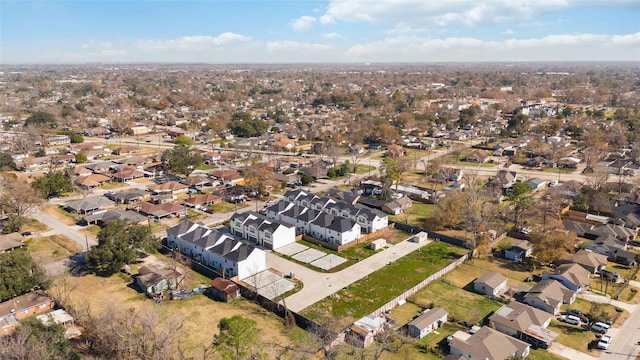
[403, 297]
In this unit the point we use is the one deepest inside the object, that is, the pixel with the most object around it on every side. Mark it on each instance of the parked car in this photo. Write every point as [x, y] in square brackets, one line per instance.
[577, 313]
[570, 319]
[600, 327]
[27, 233]
[604, 342]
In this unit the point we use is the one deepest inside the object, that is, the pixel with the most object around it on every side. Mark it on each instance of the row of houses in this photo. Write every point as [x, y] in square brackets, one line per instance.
[260, 230]
[217, 249]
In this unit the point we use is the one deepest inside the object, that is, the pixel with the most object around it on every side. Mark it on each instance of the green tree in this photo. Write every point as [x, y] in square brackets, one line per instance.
[242, 124]
[118, 244]
[391, 172]
[75, 137]
[6, 162]
[40, 152]
[518, 124]
[183, 140]
[41, 119]
[81, 158]
[53, 184]
[182, 159]
[19, 274]
[520, 197]
[238, 339]
[306, 179]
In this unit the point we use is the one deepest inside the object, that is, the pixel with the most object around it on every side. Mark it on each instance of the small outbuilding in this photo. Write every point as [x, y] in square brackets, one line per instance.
[153, 279]
[490, 284]
[430, 320]
[378, 244]
[223, 290]
[420, 238]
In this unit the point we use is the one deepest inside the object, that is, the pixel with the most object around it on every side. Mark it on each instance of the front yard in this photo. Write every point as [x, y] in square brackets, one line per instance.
[52, 248]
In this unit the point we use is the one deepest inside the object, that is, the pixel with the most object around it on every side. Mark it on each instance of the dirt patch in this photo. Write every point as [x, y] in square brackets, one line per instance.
[59, 214]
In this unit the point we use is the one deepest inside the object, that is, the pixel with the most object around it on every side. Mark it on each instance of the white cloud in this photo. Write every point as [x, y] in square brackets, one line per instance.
[303, 23]
[508, 32]
[443, 13]
[97, 45]
[286, 45]
[596, 47]
[327, 20]
[194, 43]
[331, 35]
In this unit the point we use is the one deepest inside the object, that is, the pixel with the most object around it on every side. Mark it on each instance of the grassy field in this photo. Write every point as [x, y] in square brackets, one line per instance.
[61, 215]
[364, 169]
[52, 248]
[469, 271]
[368, 294]
[416, 214]
[112, 185]
[199, 313]
[225, 206]
[34, 226]
[92, 230]
[574, 336]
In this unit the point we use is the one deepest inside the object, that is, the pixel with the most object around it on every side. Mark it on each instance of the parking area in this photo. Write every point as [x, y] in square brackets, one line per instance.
[291, 249]
[270, 284]
[328, 262]
[309, 255]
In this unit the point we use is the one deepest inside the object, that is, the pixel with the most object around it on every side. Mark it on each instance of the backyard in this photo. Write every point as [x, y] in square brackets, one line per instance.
[416, 215]
[376, 289]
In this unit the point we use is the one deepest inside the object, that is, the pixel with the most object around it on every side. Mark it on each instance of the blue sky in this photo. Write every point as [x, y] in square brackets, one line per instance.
[272, 31]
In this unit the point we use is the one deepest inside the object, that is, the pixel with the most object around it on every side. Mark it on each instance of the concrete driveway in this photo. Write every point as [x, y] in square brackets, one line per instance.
[319, 285]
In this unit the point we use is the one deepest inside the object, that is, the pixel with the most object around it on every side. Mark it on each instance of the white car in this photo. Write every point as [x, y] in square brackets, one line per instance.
[604, 342]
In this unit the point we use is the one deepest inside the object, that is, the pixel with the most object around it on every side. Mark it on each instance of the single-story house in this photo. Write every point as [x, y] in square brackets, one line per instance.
[362, 332]
[525, 323]
[89, 205]
[549, 295]
[223, 290]
[397, 206]
[536, 183]
[20, 307]
[487, 343]
[490, 284]
[172, 187]
[105, 217]
[504, 179]
[430, 320]
[203, 200]
[132, 196]
[161, 210]
[572, 276]
[477, 156]
[154, 279]
[11, 241]
[589, 260]
[92, 181]
[519, 250]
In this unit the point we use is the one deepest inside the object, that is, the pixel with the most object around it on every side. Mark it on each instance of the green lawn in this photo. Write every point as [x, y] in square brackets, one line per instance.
[224, 206]
[364, 169]
[573, 336]
[52, 248]
[368, 294]
[416, 214]
[559, 170]
[112, 185]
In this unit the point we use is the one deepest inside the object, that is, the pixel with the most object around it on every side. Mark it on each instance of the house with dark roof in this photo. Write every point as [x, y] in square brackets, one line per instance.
[549, 295]
[260, 230]
[89, 205]
[572, 276]
[104, 217]
[504, 179]
[518, 250]
[490, 284]
[524, 322]
[217, 249]
[397, 206]
[128, 197]
[160, 211]
[477, 156]
[487, 344]
[429, 321]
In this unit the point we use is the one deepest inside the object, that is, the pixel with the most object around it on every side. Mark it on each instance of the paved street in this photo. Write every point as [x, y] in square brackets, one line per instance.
[319, 285]
[69, 231]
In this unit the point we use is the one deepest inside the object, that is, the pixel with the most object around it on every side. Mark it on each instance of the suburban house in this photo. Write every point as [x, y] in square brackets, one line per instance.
[197, 182]
[11, 241]
[160, 211]
[20, 307]
[504, 179]
[58, 140]
[487, 344]
[607, 245]
[170, 187]
[589, 260]
[257, 229]
[89, 205]
[397, 206]
[92, 181]
[572, 276]
[127, 197]
[127, 174]
[223, 290]
[63, 318]
[536, 183]
[155, 279]
[228, 176]
[362, 332]
[490, 284]
[104, 217]
[519, 250]
[430, 320]
[216, 249]
[549, 295]
[525, 323]
[477, 156]
[203, 200]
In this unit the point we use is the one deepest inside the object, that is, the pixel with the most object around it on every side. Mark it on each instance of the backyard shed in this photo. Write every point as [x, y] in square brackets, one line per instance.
[378, 244]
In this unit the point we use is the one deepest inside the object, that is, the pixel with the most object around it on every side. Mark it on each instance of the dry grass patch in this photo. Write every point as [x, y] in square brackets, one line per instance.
[515, 272]
[35, 226]
[52, 248]
[58, 213]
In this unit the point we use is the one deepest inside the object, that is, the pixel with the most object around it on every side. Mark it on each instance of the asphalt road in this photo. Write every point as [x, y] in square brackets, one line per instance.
[69, 231]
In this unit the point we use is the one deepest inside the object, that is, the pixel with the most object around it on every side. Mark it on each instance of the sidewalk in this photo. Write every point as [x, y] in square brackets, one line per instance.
[569, 353]
[590, 296]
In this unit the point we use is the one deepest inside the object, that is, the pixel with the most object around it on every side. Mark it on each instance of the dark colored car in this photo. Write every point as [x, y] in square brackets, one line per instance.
[27, 233]
[577, 313]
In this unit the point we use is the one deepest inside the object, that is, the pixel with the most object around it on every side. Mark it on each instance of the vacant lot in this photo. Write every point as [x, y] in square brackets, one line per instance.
[35, 226]
[471, 270]
[200, 314]
[368, 294]
[52, 248]
[60, 214]
[416, 215]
